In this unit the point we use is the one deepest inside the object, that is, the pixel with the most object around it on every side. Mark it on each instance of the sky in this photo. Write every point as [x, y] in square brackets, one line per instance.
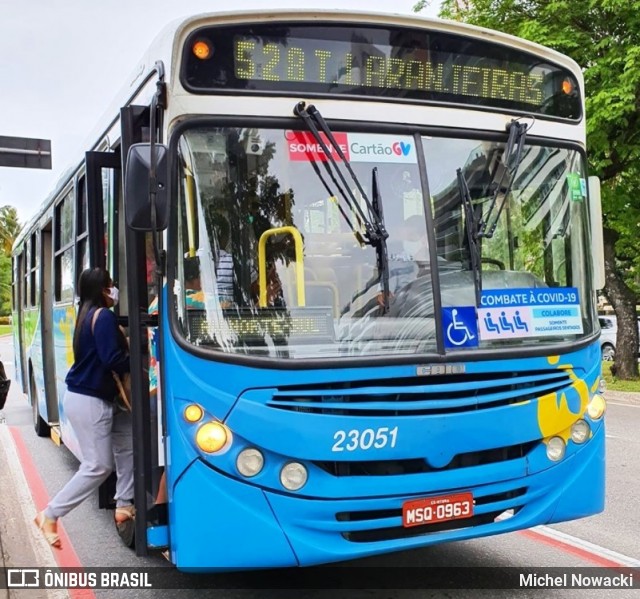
[63, 61]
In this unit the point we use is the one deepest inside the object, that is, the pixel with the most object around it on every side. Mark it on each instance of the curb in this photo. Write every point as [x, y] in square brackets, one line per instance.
[21, 544]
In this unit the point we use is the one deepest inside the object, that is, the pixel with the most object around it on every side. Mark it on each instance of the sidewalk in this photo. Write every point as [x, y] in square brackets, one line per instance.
[21, 545]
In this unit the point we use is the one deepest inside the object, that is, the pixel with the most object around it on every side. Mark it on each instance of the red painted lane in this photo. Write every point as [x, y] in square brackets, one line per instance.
[580, 552]
[65, 557]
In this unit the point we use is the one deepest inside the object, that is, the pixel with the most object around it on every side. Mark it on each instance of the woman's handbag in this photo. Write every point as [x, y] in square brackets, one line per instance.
[123, 383]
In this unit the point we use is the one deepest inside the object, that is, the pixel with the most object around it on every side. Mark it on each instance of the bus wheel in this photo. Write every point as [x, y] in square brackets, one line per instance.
[39, 425]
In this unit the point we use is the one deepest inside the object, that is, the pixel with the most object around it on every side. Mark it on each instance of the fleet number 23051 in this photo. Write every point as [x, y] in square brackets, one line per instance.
[368, 438]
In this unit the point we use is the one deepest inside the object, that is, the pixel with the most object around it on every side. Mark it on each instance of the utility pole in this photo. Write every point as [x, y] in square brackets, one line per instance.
[24, 152]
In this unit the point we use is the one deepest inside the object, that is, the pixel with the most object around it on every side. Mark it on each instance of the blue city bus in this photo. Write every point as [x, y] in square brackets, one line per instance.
[358, 257]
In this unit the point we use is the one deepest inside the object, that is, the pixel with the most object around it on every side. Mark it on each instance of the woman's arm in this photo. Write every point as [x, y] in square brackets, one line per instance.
[106, 335]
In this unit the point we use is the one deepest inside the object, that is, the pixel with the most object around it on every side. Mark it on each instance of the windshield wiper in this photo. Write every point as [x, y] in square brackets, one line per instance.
[381, 245]
[375, 233]
[511, 159]
[473, 238]
[373, 225]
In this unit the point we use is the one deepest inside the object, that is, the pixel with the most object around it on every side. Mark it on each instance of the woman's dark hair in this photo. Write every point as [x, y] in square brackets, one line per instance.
[91, 284]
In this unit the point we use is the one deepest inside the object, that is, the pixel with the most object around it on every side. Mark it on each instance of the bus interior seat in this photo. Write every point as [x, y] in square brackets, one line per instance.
[322, 293]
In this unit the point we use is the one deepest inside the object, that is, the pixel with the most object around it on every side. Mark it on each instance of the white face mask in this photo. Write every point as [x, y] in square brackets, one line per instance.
[411, 247]
[114, 294]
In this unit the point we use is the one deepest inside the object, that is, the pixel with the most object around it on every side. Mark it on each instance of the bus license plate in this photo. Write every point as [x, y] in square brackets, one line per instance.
[437, 509]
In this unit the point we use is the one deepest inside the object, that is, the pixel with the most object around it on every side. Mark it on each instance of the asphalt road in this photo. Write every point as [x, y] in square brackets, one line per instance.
[611, 535]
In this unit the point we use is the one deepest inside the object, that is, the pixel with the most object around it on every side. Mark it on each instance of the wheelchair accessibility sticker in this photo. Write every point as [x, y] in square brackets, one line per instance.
[510, 313]
[460, 327]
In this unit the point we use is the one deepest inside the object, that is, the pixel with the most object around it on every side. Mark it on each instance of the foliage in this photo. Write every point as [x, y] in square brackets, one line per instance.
[623, 216]
[616, 384]
[603, 36]
[9, 229]
[5, 284]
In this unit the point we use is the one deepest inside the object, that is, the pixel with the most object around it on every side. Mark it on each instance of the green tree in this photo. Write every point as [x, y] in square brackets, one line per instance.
[5, 285]
[603, 36]
[9, 229]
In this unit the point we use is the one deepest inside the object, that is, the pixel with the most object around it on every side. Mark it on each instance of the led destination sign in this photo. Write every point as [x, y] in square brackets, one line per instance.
[370, 61]
[354, 65]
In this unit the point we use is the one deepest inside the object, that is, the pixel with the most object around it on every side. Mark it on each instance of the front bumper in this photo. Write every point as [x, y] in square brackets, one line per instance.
[222, 523]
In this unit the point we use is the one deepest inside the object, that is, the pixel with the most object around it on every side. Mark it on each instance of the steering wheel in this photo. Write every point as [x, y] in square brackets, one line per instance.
[493, 261]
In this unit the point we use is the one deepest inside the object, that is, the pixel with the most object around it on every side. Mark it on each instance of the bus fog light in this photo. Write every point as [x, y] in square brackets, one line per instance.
[597, 407]
[249, 462]
[193, 413]
[580, 431]
[293, 476]
[213, 436]
[556, 449]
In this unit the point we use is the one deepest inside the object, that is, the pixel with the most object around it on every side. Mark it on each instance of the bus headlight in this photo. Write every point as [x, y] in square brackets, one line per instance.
[556, 449]
[213, 436]
[580, 430]
[597, 407]
[249, 462]
[293, 476]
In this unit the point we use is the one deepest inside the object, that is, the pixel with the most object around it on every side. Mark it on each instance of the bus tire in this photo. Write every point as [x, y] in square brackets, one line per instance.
[39, 425]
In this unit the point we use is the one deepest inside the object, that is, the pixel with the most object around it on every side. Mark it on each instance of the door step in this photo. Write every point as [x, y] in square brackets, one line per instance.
[55, 434]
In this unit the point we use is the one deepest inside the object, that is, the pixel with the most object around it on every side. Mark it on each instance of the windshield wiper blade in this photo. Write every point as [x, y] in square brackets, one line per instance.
[381, 244]
[473, 238]
[375, 232]
[373, 225]
[511, 159]
[299, 110]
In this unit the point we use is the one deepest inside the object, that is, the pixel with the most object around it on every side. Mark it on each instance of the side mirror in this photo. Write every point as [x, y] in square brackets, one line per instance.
[137, 203]
[597, 236]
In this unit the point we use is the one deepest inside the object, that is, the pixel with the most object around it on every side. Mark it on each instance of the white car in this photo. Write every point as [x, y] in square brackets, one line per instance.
[608, 333]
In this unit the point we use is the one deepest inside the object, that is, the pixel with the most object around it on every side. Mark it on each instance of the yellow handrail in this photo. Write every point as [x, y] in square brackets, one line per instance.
[262, 263]
[190, 191]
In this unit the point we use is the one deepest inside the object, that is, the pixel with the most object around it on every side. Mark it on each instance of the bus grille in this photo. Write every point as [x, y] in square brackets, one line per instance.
[494, 506]
[421, 466]
[447, 394]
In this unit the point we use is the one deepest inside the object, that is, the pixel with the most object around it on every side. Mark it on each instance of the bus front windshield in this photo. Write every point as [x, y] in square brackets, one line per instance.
[273, 257]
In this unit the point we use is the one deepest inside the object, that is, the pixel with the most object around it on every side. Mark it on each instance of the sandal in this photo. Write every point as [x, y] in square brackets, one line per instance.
[124, 513]
[124, 518]
[50, 534]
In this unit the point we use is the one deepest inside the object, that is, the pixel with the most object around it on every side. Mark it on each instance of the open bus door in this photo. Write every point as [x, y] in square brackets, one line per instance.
[121, 251]
[144, 283]
[103, 176]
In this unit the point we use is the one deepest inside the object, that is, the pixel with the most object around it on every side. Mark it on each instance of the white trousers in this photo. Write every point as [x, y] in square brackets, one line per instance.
[105, 437]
